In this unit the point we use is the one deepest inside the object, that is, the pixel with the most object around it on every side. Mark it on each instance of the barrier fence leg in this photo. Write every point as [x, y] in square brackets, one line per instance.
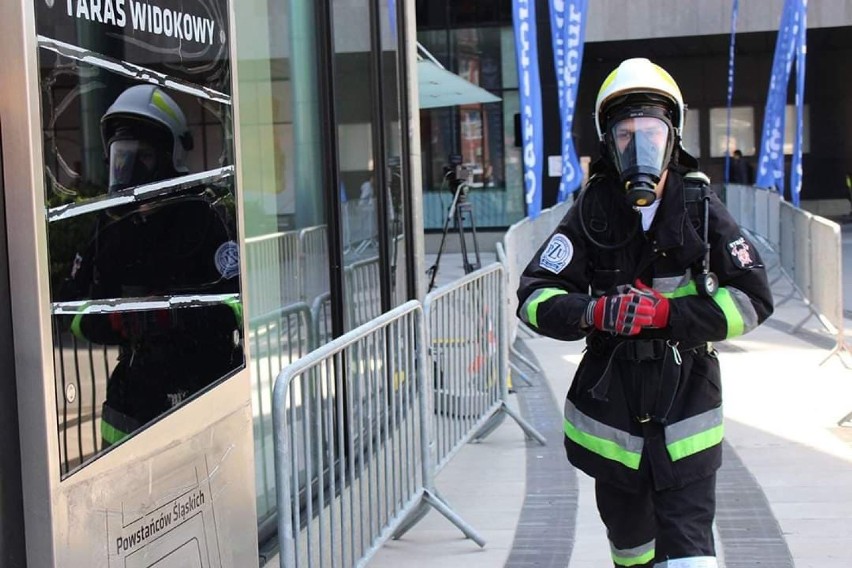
[839, 349]
[527, 331]
[530, 432]
[793, 290]
[796, 328]
[430, 497]
[493, 422]
[520, 356]
[520, 374]
[504, 408]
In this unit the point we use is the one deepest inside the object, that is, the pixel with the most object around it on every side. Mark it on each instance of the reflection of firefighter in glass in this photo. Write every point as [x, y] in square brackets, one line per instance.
[178, 245]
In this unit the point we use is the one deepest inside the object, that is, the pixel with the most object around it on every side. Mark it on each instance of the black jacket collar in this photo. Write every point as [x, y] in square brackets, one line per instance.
[672, 229]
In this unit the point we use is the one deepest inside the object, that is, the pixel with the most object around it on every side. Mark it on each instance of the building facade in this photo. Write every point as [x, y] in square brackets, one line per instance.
[690, 41]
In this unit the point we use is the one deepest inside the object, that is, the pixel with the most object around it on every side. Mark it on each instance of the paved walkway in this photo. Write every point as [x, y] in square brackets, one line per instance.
[785, 491]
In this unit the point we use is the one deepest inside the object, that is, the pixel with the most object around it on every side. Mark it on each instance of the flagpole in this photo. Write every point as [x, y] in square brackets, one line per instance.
[731, 50]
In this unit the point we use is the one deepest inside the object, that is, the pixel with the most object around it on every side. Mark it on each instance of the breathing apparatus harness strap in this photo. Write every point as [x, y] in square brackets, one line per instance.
[696, 188]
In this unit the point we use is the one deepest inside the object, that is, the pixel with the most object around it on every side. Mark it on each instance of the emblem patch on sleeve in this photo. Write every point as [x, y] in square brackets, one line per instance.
[228, 259]
[741, 253]
[557, 254]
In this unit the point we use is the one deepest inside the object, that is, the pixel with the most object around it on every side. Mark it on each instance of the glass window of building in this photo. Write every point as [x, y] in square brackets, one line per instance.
[301, 169]
[355, 94]
[692, 132]
[742, 131]
[287, 254]
[395, 147]
[368, 115]
[482, 134]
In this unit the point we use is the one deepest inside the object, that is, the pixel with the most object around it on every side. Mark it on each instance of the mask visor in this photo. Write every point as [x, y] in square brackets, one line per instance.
[131, 163]
[641, 145]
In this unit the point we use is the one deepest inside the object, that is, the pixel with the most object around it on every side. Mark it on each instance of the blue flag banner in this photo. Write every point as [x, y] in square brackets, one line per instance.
[392, 18]
[568, 30]
[801, 53]
[734, 10]
[770, 168]
[529, 83]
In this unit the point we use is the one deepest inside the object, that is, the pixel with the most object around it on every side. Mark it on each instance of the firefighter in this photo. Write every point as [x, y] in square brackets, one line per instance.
[649, 268]
[181, 243]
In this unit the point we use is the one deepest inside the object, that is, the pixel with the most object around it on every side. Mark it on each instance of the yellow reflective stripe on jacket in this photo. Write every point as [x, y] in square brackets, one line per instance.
[733, 318]
[601, 439]
[111, 434]
[642, 554]
[77, 327]
[745, 309]
[237, 307]
[529, 312]
[695, 434]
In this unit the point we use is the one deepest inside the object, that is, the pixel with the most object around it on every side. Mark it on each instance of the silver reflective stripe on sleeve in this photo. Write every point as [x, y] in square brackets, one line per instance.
[745, 307]
[669, 284]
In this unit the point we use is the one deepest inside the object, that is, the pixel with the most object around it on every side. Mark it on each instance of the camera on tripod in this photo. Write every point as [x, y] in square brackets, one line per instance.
[457, 174]
[462, 175]
[459, 178]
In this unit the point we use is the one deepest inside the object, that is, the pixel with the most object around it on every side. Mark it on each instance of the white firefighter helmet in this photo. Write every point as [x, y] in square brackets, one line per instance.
[639, 76]
[149, 105]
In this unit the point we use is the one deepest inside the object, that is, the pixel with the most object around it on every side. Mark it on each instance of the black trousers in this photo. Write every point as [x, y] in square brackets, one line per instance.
[649, 527]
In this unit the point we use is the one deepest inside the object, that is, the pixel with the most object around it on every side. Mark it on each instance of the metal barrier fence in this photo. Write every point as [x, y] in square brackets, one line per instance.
[360, 229]
[519, 244]
[313, 260]
[469, 351]
[364, 423]
[809, 251]
[291, 268]
[354, 415]
[276, 275]
[82, 371]
[277, 339]
[363, 291]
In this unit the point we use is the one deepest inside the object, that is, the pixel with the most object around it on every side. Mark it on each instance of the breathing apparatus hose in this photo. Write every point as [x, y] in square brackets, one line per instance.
[594, 241]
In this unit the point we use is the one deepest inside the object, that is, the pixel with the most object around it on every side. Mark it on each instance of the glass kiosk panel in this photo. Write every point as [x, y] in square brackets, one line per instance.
[140, 205]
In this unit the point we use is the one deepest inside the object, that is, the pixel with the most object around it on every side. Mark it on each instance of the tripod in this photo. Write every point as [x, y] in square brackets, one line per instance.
[459, 210]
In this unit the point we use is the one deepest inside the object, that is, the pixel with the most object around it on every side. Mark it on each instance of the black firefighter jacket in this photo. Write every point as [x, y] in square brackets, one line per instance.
[183, 245]
[648, 405]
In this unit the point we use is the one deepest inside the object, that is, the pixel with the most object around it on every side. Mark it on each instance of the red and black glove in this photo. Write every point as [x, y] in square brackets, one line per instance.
[625, 314]
[660, 318]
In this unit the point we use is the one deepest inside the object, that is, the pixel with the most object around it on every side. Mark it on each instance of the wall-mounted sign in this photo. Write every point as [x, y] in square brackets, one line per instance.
[141, 211]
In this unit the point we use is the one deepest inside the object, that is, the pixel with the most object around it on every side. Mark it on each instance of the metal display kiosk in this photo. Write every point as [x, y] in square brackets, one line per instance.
[124, 238]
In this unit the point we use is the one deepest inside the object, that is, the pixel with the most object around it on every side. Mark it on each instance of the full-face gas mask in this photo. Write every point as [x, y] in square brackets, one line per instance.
[639, 141]
[145, 136]
[639, 116]
[137, 159]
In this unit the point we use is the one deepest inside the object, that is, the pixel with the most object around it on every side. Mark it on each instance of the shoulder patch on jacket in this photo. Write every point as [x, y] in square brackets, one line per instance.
[741, 253]
[557, 254]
